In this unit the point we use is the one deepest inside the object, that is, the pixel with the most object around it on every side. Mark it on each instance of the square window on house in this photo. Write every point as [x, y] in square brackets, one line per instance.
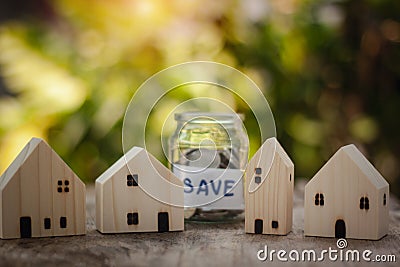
[257, 179]
[132, 218]
[60, 186]
[258, 170]
[274, 224]
[132, 180]
[319, 199]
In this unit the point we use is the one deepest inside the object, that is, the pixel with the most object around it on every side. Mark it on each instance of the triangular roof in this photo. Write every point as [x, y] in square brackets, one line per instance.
[22, 157]
[270, 149]
[131, 154]
[362, 163]
[121, 163]
[160, 183]
[282, 153]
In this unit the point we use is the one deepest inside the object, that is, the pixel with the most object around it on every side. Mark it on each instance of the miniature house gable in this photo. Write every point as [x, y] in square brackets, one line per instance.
[122, 203]
[269, 179]
[40, 195]
[347, 198]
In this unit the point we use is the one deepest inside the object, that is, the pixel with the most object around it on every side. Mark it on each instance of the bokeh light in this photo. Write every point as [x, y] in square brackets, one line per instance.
[329, 69]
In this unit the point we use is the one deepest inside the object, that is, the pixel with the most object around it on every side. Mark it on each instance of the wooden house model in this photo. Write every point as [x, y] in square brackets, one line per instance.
[269, 180]
[41, 196]
[124, 205]
[347, 198]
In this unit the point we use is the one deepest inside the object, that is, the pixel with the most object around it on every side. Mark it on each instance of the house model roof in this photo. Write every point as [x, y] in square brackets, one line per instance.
[351, 151]
[159, 182]
[31, 147]
[152, 162]
[133, 152]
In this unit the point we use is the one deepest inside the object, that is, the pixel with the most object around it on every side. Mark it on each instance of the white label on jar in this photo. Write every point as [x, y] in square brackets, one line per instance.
[211, 188]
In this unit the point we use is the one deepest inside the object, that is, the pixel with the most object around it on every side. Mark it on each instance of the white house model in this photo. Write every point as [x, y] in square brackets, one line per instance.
[41, 196]
[347, 198]
[124, 203]
[269, 180]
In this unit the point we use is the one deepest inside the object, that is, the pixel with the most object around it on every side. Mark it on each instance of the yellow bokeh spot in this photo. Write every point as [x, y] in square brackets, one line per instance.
[12, 143]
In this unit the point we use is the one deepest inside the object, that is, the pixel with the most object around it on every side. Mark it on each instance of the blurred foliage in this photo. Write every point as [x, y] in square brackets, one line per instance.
[329, 69]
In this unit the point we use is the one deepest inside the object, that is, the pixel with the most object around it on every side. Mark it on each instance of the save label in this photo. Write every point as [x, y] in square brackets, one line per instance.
[211, 188]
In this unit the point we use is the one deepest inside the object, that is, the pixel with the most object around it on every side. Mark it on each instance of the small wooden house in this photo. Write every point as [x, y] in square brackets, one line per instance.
[269, 180]
[139, 194]
[41, 196]
[347, 198]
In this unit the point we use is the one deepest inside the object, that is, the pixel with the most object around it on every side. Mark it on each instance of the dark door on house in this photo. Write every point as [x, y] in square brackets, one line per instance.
[25, 227]
[340, 229]
[258, 226]
[163, 222]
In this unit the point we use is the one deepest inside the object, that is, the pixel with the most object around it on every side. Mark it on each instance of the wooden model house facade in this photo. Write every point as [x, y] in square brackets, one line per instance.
[122, 203]
[347, 198]
[269, 180]
[41, 196]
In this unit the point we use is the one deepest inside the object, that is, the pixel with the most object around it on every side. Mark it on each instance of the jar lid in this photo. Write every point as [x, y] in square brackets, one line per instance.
[208, 117]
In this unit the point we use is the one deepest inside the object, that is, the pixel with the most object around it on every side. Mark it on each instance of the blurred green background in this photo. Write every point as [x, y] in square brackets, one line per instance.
[329, 69]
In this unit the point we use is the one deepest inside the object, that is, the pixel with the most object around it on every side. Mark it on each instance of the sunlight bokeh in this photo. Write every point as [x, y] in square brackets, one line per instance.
[331, 74]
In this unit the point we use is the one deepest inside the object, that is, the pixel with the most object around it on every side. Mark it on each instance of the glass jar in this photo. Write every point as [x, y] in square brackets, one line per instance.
[209, 152]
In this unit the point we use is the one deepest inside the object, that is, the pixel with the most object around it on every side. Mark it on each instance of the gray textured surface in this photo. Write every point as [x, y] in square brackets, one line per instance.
[198, 245]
